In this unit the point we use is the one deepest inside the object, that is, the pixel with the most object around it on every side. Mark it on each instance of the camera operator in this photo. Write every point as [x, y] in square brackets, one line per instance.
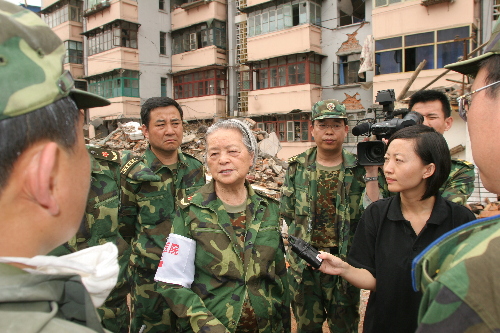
[434, 106]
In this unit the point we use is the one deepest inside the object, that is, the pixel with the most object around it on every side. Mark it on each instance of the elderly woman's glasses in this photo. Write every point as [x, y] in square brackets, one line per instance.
[465, 101]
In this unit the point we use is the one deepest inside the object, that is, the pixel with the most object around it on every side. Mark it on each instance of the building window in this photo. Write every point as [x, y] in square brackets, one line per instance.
[288, 71]
[118, 83]
[199, 36]
[63, 11]
[350, 12]
[283, 16]
[163, 43]
[288, 127]
[163, 87]
[74, 52]
[348, 69]
[161, 4]
[404, 53]
[203, 83]
[379, 3]
[115, 34]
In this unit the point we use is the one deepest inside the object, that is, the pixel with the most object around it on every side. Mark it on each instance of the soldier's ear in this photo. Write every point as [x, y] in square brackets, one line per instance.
[41, 177]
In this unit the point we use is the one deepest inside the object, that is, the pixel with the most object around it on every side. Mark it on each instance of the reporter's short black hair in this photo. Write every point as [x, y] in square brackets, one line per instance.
[157, 102]
[424, 96]
[431, 147]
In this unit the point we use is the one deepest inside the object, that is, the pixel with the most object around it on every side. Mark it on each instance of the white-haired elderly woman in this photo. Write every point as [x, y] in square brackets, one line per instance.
[239, 282]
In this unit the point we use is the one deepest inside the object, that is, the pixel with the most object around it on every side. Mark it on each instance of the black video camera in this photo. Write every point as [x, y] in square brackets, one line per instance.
[372, 152]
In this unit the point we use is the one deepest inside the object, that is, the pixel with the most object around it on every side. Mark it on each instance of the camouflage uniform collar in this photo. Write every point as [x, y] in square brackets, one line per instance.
[308, 159]
[156, 165]
[206, 197]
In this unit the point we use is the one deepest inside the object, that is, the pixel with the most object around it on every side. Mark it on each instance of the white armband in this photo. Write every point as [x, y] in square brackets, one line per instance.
[177, 261]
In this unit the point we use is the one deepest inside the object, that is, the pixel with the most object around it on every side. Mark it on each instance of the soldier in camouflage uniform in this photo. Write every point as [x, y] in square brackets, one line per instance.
[153, 184]
[321, 203]
[459, 274]
[101, 225]
[44, 183]
[240, 281]
[435, 107]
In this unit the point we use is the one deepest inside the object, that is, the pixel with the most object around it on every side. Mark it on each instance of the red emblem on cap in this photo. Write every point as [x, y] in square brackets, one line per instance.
[105, 154]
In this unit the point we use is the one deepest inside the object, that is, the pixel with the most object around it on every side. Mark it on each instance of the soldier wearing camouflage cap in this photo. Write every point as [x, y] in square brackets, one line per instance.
[44, 182]
[321, 203]
[459, 274]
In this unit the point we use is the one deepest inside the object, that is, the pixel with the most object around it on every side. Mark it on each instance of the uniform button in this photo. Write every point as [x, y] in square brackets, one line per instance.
[233, 323]
[414, 249]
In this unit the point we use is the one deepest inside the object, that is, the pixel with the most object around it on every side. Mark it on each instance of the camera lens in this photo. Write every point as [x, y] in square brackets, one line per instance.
[375, 153]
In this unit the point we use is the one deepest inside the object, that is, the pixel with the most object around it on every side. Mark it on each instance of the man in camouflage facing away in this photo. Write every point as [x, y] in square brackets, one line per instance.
[321, 203]
[100, 225]
[154, 184]
[44, 184]
[459, 274]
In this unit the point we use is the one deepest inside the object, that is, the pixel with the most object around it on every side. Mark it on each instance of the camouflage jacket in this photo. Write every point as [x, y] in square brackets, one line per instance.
[298, 200]
[457, 188]
[150, 192]
[100, 223]
[458, 274]
[222, 279]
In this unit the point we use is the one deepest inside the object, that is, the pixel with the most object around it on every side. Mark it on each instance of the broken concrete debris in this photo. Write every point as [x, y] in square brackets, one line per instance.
[267, 176]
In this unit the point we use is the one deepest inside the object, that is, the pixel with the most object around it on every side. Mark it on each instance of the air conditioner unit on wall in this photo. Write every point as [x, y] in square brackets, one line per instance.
[434, 2]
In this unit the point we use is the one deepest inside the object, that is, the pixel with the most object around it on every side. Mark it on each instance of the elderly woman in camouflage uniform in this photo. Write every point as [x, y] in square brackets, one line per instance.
[240, 282]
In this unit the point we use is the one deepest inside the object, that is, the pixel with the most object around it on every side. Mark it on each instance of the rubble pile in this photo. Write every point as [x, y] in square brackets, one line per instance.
[490, 209]
[267, 176]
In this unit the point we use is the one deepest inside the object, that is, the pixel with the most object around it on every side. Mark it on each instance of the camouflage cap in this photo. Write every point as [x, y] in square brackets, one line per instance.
[31, 65]
[329, 108]
[471, 66]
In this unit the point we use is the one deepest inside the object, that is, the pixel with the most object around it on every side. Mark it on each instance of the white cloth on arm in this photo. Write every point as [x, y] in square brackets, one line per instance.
[177, 261]
[96, 265]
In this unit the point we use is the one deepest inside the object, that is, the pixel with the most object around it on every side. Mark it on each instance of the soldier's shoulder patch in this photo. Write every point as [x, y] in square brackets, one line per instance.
[293, 159]
[128, 165]
[463, 162]
[185, 201]
[104, 154]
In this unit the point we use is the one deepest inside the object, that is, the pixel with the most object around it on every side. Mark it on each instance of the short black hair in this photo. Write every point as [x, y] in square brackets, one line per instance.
[492, 65]
[157, 102]
[431, 147]
[55, 122]
[424, 96]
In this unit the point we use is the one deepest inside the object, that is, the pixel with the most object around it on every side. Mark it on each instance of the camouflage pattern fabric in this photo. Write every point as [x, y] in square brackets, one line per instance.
[298, 208]
[458, 274]
[31, 55]
[150, 192]
[324, 233]
[457, 188]
[460, 184]
[222, 279]
[101, 225]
